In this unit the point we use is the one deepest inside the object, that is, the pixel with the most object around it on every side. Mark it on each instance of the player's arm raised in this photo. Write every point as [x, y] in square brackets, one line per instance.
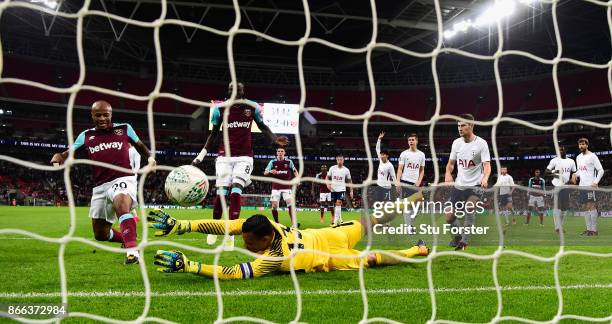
[168, 225]
[380, 137]
[176, 261]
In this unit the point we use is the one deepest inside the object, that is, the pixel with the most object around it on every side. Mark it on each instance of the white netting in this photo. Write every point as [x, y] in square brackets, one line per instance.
[365, 117]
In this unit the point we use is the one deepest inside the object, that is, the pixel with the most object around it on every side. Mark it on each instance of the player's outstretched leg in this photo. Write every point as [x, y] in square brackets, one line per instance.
[383, 259]
[122, 205]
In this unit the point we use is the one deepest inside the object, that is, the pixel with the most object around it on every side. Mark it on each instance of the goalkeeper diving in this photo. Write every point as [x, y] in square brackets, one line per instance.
[274, 243]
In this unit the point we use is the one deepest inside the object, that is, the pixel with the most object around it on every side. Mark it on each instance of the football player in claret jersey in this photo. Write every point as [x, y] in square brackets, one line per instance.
[536, 199]
[471, 154]
[324, 193]
[589, 173]
[234, 171]
[561, 168]
[410, 172]
[339, 176]
[283, 169]
[505, 182]
[275, 242]
[386, 173]
[115, 193]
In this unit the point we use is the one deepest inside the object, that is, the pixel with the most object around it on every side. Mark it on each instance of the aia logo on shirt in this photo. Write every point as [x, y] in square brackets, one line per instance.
[337, 178]
[583, 168]
[466, 164]
[413, 166]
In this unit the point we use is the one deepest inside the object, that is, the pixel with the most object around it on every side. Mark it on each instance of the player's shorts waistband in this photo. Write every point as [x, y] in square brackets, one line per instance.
[106, 184]
[243, 158]
[407, 182]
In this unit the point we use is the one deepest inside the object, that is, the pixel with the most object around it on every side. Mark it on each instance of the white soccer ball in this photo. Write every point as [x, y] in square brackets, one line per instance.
[186, 186]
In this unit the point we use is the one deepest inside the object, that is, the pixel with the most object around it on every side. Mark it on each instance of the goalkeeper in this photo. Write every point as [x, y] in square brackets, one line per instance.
[275, 242]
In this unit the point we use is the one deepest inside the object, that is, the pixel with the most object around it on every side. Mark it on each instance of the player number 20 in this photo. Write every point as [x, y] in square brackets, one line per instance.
[121, 185]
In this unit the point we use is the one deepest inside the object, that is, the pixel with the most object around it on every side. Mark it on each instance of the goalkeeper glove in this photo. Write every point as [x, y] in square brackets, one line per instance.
[167, 224]
[174, 261]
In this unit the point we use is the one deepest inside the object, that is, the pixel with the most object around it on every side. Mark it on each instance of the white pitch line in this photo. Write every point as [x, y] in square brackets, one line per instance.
[86, 294]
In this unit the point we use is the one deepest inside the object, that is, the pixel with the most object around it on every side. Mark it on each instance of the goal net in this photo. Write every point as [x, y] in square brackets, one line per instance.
[365, 118]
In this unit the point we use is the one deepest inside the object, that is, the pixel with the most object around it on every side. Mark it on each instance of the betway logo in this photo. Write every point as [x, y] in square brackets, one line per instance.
[238, 124]
[106, 146]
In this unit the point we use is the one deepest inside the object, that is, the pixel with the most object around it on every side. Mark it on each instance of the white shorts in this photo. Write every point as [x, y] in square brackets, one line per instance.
[234, 169]
[276, 194]
[102, 197]
[325, 196]
[536, 201]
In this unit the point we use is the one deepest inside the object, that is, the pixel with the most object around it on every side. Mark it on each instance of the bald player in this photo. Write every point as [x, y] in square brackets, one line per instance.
[114, 195]
[234, 171]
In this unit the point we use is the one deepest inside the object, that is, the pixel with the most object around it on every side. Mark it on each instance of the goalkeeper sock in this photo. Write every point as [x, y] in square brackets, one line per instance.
[115, 236]
[275, 214]
[128, 229]
[235, 203]
[384, 259]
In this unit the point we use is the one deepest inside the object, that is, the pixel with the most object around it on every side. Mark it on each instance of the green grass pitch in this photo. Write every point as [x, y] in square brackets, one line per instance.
[100, 284]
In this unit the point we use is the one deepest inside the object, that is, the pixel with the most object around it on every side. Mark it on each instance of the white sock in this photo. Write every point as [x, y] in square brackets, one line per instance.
[133, 252]
[593, 220]
[408, 217]
[506, 214]
[587, 219]
[557, 218]
[338, 214]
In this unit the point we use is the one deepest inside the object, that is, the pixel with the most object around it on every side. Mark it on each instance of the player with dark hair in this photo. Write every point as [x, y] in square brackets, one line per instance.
[536, 199]
[338, 176]
[283, 169]
[385, 177]
[505, 182]
[561, 168]
[234, 171]
[275, 243]
[410, 172]
[471, 154]
[115, 193]
[589, 173]
[324, 193]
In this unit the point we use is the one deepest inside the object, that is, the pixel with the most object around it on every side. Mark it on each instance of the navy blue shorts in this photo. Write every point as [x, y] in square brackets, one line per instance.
[340, 195]
[463, 195]
[587, 196]
[382, 194]
[504, 200]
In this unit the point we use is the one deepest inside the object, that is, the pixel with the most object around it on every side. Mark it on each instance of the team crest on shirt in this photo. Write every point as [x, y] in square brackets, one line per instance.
[474, 153]
[119, 132]
[247, 112]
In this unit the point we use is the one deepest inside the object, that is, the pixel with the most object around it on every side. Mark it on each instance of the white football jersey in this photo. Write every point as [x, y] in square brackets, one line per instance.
[386, 175]
[505, 182]
[589, 169]
[565, 167]
[338, 178]
[412, 163]
[134, 159]
[469, 157]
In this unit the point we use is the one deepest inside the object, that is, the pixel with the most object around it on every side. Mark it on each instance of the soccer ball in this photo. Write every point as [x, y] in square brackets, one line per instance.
[186, 186]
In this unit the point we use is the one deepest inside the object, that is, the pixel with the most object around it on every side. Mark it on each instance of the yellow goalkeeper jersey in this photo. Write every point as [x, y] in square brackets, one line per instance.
[276, 258]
